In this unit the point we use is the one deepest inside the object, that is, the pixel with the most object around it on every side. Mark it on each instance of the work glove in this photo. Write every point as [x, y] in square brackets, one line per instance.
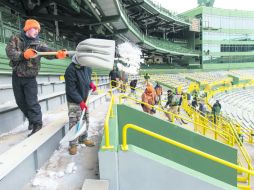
[29, 53]
[92, 86]
[83, 105]
[61, 54]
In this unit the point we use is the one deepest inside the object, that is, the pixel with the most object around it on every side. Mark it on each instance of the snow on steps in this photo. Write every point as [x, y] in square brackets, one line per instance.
[93, 184]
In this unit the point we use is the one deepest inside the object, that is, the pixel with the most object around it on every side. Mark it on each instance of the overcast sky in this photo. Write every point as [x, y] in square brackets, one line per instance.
[183, 5]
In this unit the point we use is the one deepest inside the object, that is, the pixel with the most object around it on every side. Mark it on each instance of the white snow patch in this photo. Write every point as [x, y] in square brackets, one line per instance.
[71, 168]
[63, 170]
[45, 183]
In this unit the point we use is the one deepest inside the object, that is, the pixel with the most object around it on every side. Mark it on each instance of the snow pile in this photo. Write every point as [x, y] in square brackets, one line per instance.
[47, 118]
[129, 60]
[71, 168]
[63, 171]
[44, 183]
[59, 165]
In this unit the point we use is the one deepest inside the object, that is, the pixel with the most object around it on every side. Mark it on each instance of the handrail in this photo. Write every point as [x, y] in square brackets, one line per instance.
[227, 135]
[234, 137]
[231, 125]
[106, 124]
[94, 75]
[96, 78]
[215, 127]
[175, 116]
[126, 85]
[239, 142]
[124, 147]
[167, 12]
[242, 148]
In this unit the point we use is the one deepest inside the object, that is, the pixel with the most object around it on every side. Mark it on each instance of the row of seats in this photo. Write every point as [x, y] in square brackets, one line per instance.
[167, 12]
[184, 79]
[242, 73]
[173, 80]
[159, 43]
[238, 105]
[51, 94]
[165, 44]
[207, 77]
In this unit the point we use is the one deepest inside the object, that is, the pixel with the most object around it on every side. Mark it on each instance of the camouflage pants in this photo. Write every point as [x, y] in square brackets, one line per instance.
[74, 113]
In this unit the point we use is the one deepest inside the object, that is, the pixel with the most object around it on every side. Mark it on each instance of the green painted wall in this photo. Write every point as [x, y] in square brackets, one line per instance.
[128, 115]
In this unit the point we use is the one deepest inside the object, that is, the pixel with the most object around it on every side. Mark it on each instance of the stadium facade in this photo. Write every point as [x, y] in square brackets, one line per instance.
[226, 38]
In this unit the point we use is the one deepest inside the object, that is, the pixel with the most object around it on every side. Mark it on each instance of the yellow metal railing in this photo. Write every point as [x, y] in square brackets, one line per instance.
[175, 116]
[223, 131]
[124, 147]
[95, 78]
[106, 124]
[232, 126]
[221, 125]
[208, 125]
[126, 85]
[201, 118]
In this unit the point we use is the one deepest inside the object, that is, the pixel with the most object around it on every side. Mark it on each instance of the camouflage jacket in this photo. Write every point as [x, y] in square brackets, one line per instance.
[14, 50]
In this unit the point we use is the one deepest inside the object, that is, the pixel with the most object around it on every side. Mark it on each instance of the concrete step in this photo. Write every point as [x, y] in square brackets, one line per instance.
[95, 184]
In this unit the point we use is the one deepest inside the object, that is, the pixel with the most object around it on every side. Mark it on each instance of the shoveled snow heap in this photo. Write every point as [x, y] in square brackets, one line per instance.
[65, 172]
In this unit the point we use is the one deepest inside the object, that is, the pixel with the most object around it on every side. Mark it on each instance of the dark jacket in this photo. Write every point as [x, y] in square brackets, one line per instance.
[147, 76]
[133, 83]
[15, 49]
[170, 100]
[194, 103]
[77, 83]
[114, 74]
[216, 108]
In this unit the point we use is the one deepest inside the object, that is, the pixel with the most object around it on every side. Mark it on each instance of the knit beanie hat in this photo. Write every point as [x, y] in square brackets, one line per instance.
[31, 23]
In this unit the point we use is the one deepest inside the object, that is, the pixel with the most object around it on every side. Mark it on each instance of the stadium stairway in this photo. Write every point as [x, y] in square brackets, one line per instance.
[196, 123]
[238, 105]
[33, 151]
[51, 93]
[144, 149]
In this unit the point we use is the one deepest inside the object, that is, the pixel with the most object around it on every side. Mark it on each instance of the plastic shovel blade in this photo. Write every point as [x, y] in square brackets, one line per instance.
[96, 53]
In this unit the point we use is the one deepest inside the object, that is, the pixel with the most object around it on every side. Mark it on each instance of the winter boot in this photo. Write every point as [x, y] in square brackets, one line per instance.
[36, 127]
[88, 143]
[73, 149]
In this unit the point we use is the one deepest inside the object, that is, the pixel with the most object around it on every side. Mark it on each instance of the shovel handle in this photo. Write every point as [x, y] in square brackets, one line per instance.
[83, 112]
[51, 53]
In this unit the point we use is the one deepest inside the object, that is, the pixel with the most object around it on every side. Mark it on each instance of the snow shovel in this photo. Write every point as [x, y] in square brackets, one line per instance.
[77, 130]
[94, 53]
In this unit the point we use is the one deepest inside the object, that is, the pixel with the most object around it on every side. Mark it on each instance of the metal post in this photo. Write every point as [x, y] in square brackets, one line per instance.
[2, 27]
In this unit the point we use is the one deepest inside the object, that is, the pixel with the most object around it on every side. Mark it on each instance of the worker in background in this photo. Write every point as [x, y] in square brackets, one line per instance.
[148, 97]
[114, 77]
